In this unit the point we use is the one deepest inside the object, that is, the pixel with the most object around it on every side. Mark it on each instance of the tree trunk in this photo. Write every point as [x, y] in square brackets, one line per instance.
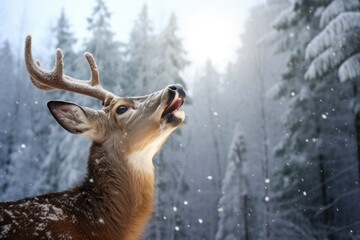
[218, 178]
[357, 127]
[324, 197]
[265, 158]
[245, 213]
[157, 204]
[324, 194]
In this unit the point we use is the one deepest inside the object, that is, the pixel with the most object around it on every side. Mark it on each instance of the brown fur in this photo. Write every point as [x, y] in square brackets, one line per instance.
[112, 191]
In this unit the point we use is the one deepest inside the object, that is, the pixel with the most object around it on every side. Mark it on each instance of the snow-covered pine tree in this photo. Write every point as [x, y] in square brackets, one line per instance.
[305, 179]
[299, 171]
[7, 77]
[234, 205]
[23, 155]
[337, 48]
[246, 84]
[103, 46]
[140, 52]
[65, 40]
[41, 144]
[170, 57]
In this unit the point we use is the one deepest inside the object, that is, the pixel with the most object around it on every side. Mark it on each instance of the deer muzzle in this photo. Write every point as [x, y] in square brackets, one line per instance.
[176, 98]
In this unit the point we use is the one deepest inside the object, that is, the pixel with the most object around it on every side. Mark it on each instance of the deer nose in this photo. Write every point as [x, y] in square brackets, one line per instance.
[177, 88]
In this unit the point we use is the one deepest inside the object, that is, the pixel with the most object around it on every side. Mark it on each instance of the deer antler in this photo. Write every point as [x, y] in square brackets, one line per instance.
[56, 79]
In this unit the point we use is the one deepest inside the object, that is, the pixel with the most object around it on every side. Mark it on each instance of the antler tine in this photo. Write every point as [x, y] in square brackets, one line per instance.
[32, 67]
[93, 69]
[56, 79]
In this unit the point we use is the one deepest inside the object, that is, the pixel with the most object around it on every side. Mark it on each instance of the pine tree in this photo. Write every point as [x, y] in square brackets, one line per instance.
[106, 50]
[247, 81]
[7, 66]
[22, 155]
[300, 123]
[140, 52]
[234, 204]
[206, 121]
[170, 60]
[305, 147]
[65, 40]
[337, 48]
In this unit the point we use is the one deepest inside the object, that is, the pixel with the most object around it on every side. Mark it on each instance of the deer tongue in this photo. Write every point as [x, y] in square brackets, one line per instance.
[174, 105]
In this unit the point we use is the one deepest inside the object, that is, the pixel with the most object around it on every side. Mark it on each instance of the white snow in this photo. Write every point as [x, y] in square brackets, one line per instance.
[329, 38]
[336, 7]
[5, 229]
[350, 69]
[285, 18]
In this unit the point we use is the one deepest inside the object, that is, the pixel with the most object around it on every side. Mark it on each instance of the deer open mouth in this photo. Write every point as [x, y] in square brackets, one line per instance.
[173, 106]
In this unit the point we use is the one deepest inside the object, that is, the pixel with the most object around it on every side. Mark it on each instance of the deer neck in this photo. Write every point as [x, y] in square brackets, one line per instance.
[124, 193]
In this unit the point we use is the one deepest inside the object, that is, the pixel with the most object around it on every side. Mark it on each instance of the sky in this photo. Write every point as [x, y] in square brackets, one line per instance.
[210, 29]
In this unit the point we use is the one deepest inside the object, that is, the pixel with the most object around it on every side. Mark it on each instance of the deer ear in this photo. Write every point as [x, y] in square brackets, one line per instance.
[70, 116]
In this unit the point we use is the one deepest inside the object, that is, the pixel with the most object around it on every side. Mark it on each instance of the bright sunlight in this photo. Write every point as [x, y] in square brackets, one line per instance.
[211, 34]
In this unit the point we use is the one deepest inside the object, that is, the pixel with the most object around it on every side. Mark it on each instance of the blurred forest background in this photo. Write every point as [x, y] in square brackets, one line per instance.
[270, 148]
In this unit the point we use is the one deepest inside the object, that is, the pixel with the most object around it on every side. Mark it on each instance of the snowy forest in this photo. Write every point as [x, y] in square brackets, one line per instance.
[270, 148]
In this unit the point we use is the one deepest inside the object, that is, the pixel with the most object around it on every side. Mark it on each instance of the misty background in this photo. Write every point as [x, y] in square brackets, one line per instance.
[271, 145]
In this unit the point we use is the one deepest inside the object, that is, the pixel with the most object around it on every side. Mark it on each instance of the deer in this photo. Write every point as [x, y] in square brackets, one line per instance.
[114, 200]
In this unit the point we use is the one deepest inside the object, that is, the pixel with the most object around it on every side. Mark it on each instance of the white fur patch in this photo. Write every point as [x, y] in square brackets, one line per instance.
[142, 160]
[180, 114]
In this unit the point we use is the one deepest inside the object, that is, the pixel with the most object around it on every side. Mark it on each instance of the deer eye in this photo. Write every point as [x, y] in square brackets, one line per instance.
[121, 109]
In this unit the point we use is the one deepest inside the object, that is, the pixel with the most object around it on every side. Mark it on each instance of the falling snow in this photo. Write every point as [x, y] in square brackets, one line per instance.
[300, 147]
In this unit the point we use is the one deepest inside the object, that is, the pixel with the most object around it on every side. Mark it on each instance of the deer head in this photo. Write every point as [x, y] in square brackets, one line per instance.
[134, 127]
